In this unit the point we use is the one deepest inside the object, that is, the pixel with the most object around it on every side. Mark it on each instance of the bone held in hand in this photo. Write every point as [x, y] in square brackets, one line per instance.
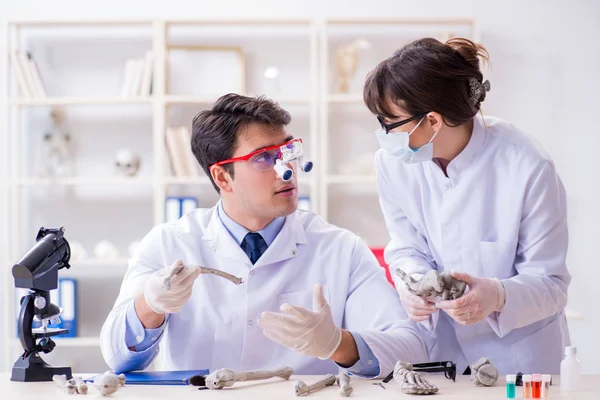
[301, 388]
[227, 377]
[203, 270]
[222, 274]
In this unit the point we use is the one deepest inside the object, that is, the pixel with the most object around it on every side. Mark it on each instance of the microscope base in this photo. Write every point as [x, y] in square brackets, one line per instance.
[34, 369]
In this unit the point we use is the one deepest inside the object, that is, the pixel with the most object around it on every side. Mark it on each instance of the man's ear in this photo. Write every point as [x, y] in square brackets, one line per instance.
[435, 121]
[222, 178]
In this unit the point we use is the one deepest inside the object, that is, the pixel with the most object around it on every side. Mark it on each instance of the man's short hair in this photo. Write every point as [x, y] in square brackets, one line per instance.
[215, 131]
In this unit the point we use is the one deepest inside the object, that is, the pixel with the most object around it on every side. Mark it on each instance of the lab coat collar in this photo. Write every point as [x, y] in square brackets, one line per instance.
[269, 232]
[462, 161]
[284, 246]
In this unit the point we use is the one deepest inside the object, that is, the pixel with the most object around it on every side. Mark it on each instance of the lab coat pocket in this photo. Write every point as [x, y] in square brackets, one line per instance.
[497, 258]
[541, 350]
[302, 299]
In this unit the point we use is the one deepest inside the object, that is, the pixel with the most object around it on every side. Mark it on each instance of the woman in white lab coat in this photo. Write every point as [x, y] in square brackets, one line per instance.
[475, 195]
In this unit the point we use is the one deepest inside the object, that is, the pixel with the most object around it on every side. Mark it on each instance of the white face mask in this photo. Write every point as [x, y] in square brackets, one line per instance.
[396, 143]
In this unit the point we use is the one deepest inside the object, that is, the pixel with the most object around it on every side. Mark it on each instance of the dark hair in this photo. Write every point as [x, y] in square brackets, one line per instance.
[215, 131]
[427, 75]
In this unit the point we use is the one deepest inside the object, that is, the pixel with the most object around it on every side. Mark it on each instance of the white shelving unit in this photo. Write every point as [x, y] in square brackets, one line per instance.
[159, 110]
[336, 127]
[347, 127]
[75, 101]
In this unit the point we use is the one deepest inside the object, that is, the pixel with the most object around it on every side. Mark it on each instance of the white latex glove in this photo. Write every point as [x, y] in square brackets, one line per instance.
[417, 308]
[309, 332]
[162, 299]
[484, 296]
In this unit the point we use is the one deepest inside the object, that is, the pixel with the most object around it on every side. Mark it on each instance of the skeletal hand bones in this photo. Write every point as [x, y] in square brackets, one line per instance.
[433, 284]
[227, 377]
[412, 382]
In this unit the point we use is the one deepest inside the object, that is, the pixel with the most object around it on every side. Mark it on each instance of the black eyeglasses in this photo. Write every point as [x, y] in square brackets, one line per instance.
[447, 367]
[389, 127]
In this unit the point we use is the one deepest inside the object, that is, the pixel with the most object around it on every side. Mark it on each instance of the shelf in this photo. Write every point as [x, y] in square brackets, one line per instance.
[83, 341]
[349, 179]
[51, 101]
[96, 262]
[84, 181]
[67, 22]
[401, 21]
[237, 21]
[184, 180]
[306, 180]
[182, 99]
[345, 98]
[185, 99]
[203, 180]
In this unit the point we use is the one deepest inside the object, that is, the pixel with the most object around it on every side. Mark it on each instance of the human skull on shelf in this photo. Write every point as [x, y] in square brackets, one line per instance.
[127, 162]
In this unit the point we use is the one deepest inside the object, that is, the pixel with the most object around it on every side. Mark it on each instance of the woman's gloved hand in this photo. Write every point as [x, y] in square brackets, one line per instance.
[418, 308]
[484, 296]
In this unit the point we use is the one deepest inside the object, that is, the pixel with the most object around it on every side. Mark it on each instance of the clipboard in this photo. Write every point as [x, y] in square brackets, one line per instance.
[159, 377]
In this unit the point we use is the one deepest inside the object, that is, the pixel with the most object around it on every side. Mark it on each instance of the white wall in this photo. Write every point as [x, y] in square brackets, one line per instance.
[544, 78]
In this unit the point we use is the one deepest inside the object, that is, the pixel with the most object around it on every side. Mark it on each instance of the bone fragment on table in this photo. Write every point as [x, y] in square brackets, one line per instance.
[343, 380]
[80, 385]
[301, 388]
[108, 383]
[227, 377]
[412, 382]
[483, 373]
[66, 385]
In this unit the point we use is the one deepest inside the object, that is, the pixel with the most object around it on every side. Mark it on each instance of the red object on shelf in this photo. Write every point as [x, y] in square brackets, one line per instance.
[378, 251]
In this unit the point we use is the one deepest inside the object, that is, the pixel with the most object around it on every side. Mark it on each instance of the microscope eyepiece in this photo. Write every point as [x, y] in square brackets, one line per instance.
[38, 268]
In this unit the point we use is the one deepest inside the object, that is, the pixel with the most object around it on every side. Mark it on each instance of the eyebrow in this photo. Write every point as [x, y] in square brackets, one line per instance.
[287, 139]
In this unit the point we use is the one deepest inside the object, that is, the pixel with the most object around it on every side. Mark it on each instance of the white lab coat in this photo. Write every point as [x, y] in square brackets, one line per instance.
[501, 212]
[217, 326]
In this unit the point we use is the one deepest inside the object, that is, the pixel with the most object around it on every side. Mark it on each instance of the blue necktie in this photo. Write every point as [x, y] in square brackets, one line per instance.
[254, 245]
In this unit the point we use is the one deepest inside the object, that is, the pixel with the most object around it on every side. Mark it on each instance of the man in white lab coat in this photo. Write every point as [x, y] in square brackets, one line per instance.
[313, 296]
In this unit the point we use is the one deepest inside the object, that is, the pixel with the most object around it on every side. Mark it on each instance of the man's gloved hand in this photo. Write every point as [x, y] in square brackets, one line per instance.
[485, 296]
[168, 289]
[309, 332]
[418, 308]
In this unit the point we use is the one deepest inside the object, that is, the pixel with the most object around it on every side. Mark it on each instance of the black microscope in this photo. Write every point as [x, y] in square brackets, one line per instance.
[37, 271]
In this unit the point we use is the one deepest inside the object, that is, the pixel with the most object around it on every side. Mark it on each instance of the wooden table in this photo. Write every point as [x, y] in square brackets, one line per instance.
[275, 389]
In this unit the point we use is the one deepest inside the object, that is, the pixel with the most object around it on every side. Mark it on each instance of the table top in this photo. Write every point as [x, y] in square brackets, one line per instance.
[275, 388]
